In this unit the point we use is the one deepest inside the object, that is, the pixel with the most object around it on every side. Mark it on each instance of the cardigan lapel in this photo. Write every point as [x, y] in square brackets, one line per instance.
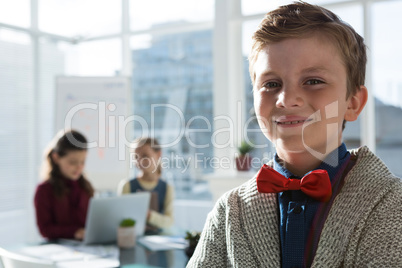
[360, 193]
[261, 224]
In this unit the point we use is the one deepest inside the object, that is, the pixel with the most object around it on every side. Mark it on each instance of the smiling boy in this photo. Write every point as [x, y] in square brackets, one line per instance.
[294, 78]
[316, 204]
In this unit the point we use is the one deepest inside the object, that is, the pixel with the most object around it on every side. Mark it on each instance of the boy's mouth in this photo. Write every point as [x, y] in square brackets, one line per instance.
[292, 120]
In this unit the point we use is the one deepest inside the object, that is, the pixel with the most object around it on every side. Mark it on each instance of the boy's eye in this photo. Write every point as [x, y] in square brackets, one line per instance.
[271, 85]
[314, 82]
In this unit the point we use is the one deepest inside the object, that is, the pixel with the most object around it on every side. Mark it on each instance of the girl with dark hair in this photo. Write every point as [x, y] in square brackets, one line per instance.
[61, 200]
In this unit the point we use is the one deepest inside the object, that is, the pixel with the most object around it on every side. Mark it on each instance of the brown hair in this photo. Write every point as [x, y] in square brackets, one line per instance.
[299, 19]
[62, 144]
[151, 142]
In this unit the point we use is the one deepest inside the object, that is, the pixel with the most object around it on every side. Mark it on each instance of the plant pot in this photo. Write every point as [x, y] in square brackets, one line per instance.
[243, 162]
[126, 237]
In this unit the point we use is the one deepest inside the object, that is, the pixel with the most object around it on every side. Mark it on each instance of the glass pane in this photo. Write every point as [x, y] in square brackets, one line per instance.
[264, 150]
[94, 58]
[16, 12]
[172, 95]
[52, 63]
[152, 13]
[16, 158]
[387, 82]
[80, 18]
[352, 14]
[15, 37]
[249, 27]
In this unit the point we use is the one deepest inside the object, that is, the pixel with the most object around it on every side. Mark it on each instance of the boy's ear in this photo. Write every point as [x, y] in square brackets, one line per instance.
[356, 104]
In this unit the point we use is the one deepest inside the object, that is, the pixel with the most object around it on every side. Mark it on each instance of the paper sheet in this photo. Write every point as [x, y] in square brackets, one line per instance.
[56, 253]
[139, 266]
[161, 242]
[76, 256]
[94, 263]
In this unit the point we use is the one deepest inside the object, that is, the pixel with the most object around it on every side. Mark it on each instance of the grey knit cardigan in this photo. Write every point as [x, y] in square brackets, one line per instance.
[363, 227]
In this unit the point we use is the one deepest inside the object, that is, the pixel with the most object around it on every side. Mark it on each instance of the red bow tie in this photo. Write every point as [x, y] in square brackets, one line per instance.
[315, 184]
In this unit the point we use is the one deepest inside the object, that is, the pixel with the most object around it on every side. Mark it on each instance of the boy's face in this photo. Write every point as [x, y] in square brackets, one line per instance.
[300, 94]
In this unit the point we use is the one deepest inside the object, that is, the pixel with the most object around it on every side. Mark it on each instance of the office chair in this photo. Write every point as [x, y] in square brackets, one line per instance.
[14, 260]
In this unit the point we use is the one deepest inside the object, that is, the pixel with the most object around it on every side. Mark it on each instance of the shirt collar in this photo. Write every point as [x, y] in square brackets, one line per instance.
[331, 163]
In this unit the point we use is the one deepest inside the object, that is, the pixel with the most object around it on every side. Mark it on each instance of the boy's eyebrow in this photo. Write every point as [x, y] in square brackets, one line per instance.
[266, 73]
[307, 70]
[315, 69]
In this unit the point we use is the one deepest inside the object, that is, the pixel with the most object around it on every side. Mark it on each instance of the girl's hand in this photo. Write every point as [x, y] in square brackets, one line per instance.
[148, 214]
[79, 234]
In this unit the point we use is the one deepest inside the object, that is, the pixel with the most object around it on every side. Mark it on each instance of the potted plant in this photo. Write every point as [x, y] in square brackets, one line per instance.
[243, 160]
[126, 233]
[192, 238]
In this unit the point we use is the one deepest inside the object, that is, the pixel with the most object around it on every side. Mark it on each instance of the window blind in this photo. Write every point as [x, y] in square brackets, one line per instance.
[16, 109]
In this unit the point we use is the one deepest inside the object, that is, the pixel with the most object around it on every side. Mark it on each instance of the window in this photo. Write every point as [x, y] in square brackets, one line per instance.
[162, 14]
[264, 150]
[95, 58]
[172, 89]
[16, 139]
[76, 18]
[387, 83]
[16, 12]
[52, 63]
[352, 14]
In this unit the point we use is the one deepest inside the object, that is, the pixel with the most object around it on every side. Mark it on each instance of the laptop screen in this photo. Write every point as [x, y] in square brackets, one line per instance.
[105, 214]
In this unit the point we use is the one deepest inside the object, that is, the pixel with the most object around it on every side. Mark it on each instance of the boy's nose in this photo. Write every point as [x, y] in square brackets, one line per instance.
[289, 97]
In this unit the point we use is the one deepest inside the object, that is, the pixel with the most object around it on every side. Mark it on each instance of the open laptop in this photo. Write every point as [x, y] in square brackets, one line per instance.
[105, 214]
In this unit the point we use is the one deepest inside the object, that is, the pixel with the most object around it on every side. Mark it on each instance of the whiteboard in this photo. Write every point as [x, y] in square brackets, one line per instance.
[94, 106]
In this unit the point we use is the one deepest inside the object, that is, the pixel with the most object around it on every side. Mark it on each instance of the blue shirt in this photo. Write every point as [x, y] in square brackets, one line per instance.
[297, 210]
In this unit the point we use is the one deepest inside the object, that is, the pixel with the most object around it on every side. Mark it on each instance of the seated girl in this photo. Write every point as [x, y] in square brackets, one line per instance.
[148, 160]
[61, 200]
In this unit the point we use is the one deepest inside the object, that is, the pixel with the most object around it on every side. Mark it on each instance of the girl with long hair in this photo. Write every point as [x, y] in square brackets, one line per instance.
[61, 200]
